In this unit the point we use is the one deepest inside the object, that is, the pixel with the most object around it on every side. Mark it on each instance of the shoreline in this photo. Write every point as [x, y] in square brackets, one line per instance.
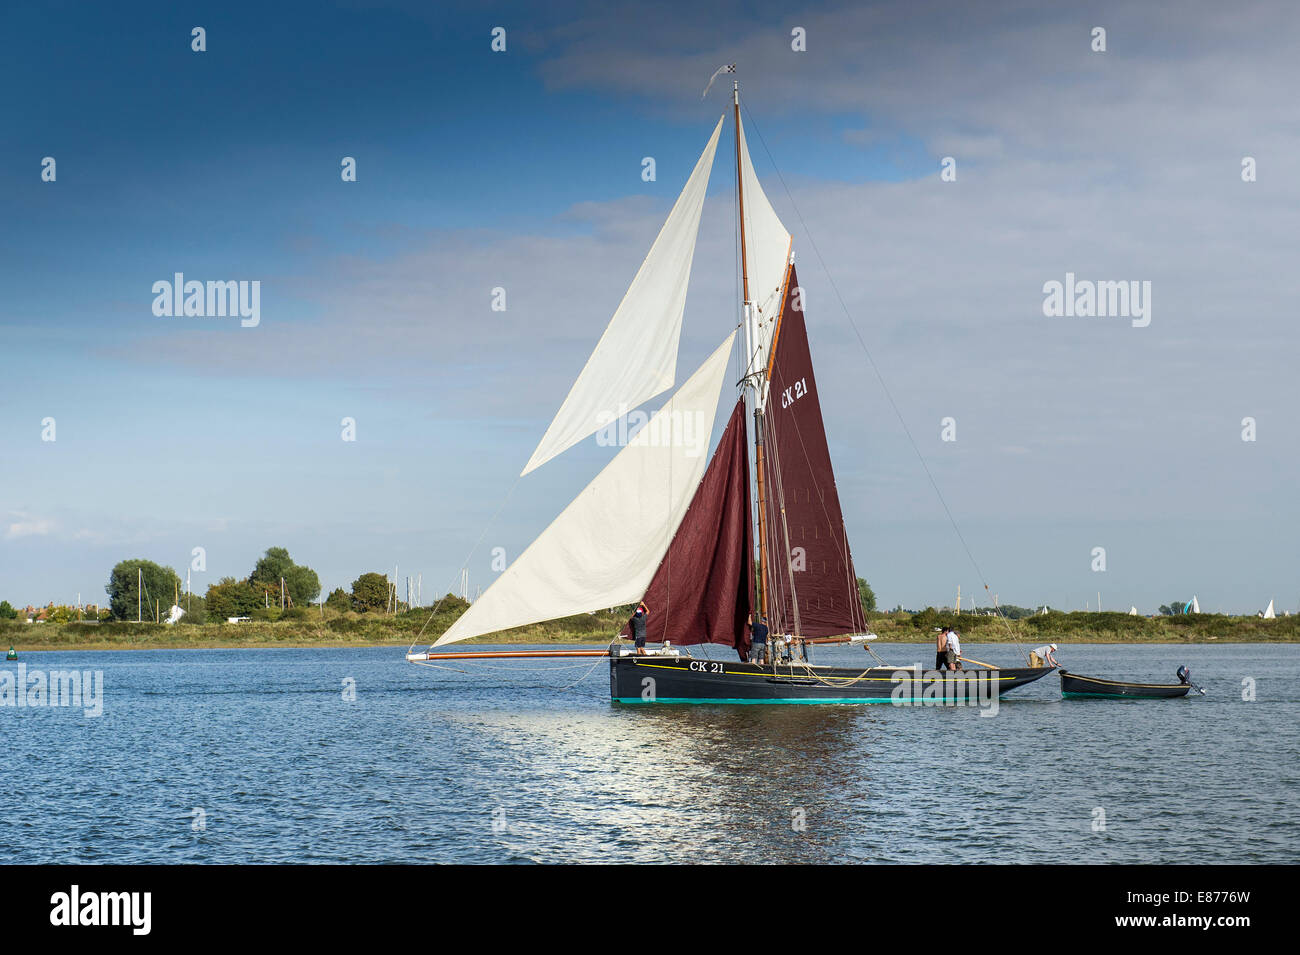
[575, 641]
[421, 628]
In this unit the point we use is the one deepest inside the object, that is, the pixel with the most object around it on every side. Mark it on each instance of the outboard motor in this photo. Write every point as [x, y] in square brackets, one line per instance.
[1184, 675]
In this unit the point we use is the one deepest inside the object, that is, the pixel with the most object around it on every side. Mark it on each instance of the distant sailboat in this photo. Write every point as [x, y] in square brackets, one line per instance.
[663, 524]
[1132, 611]
[1269, 614]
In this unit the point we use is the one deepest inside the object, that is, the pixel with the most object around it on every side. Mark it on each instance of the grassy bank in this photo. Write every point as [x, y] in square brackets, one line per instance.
[1056, 627]
[331, 629]
[364, 630]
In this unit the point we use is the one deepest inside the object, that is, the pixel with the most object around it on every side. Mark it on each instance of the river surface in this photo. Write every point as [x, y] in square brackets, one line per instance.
[355, 756]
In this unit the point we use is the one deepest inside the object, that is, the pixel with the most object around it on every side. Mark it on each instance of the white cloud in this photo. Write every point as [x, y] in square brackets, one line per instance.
[28, 526]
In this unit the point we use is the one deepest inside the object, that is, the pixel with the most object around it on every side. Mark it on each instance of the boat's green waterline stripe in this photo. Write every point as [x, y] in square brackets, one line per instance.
[1114, 696]
[837, 699]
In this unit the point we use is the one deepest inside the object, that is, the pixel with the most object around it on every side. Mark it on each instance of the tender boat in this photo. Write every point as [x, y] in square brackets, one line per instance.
[1075, 685]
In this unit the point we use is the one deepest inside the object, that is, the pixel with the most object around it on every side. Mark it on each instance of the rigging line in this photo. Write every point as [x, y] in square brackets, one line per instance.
[846, 557]
[440, 666]
[669, 535]
[879, 376]
[735, 251]
[488, 666]
[785, 527]
[877, 656]
[589, 672]
[779, 539]
[737, 349]
[845, 554]
[465, 563]
[490, 669]
[837, 682]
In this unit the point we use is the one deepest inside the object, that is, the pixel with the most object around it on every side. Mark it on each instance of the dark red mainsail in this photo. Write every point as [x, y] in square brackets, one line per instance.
[813, 590]
[704, 587]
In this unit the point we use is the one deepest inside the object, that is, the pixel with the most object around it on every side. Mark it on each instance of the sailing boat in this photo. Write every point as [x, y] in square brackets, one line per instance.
[662, 526]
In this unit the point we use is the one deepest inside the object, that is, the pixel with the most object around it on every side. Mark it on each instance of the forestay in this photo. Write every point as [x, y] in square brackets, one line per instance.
[767, 252]
[636, 358]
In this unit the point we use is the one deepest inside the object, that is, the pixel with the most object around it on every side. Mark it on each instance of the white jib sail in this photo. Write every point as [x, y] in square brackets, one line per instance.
[1269, 614]
[636, 358]
[767, 255]
[605, 547]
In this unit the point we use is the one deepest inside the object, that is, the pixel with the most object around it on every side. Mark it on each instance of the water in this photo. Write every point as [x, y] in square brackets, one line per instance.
[519, 766]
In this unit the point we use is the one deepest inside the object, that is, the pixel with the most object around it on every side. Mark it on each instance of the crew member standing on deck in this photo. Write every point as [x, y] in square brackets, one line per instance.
[757, 639]
[941, 648]
[954, 650]
[783, 653]
[637, 626]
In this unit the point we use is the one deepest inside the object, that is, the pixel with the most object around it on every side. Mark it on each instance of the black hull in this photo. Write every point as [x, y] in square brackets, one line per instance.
[1075, 686]
[655, 679]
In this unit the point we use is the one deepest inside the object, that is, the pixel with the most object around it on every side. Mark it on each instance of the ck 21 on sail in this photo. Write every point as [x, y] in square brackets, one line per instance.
[707, 544]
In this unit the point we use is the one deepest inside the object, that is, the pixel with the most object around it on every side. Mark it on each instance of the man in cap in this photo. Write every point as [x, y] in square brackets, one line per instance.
[1042, 656]
[954, 649]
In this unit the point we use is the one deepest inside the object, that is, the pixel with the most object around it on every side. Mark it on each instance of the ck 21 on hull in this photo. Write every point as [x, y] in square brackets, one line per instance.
[659, 678]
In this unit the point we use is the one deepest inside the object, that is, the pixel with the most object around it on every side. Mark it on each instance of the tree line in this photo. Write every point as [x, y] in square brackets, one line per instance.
[277, 586]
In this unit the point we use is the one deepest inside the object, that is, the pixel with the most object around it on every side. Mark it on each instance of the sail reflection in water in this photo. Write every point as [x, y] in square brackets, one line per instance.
[646, 785]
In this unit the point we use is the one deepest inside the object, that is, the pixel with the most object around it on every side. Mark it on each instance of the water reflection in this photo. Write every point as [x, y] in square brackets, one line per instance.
[533, 766]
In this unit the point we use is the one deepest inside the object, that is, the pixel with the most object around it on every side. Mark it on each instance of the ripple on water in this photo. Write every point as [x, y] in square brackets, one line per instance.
[433, 766]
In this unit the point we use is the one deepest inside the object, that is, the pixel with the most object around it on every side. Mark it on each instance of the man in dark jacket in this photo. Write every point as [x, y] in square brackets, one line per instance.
[637, 626]
[757, 639]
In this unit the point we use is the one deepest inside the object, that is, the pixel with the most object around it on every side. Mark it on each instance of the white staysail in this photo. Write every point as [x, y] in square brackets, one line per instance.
[767, 256]
[636, 358]
[1269, 614]
[605, 547]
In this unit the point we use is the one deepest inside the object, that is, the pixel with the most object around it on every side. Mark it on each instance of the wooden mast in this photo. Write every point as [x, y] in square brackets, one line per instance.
[754, 385]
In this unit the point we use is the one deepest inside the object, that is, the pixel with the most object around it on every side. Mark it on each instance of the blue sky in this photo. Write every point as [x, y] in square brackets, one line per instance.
[478, 169]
